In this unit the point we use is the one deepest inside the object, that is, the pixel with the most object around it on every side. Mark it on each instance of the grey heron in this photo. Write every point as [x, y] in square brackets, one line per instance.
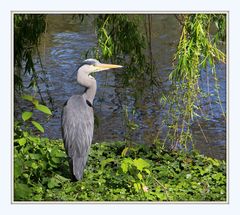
[78, 118]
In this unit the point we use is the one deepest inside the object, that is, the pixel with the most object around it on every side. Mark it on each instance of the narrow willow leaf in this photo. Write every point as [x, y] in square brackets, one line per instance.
[124, 151]
[35, 102]
[27, 97]
[26, 115]
[44, 109]
[105, 162]
[38, 126]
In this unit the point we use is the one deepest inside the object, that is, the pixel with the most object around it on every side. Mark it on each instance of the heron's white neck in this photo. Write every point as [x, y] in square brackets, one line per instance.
[90, 83]
[91, 90]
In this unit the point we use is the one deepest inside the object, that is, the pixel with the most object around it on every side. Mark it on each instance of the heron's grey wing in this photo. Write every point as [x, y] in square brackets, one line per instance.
[77, 129]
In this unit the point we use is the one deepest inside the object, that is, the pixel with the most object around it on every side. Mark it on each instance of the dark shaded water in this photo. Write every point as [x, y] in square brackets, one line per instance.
[64, 47]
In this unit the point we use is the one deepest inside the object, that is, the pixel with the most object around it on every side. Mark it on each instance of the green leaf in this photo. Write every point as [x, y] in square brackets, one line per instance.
[124, 151]
[27, 97]
[147, 171]
[44, 109]
[26, 115]
[38, 126]
[17, 169]
[137, 186]
[53, 182]
[105, 162]
[124, 167]
[58, 153]
[34, 165]
[61, 178]
[21, 191]
[56, 160]
[25, 134]
[139, 175]
[34, 156]
[22, 141]
[217, 176]
[125, 163]
[140, 164]
[35, 102]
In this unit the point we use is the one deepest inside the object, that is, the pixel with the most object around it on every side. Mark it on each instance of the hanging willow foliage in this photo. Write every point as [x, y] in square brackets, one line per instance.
[121, 39]
[28, 29]
[197, 50]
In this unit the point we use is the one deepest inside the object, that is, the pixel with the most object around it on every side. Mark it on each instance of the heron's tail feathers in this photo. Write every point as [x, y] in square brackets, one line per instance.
[77, 165]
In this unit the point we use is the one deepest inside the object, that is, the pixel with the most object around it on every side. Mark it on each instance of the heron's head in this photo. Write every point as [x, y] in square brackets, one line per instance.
[92, 65]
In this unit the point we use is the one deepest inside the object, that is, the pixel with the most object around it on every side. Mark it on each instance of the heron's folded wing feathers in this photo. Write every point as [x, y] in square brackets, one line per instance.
[77, 128]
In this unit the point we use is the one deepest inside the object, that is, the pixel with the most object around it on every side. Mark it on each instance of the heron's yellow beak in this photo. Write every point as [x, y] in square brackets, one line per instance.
[104, 66]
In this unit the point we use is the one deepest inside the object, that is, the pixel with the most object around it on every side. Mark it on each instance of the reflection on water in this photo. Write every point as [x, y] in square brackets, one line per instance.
[64, 47]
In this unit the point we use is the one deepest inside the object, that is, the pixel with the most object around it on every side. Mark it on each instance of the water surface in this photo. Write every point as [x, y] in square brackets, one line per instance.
[64, 47]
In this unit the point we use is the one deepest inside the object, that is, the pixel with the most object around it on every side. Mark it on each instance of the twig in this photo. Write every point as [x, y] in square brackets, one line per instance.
[164, 188]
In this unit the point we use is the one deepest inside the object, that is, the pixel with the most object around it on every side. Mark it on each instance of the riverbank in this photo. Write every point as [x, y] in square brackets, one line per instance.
[115, 172]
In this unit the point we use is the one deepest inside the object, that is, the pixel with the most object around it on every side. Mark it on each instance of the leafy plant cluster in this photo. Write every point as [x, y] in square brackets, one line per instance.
[36, 162]
[114, 173]
[28, 115]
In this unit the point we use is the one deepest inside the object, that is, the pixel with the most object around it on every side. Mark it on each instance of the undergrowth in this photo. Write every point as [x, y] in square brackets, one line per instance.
[115, 173]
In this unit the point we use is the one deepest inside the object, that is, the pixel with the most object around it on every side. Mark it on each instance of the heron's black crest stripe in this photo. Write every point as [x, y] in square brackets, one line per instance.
[65, 103]
[88, 62]
[89, 103]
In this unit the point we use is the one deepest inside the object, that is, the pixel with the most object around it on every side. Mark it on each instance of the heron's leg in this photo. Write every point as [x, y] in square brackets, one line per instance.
[73, 178]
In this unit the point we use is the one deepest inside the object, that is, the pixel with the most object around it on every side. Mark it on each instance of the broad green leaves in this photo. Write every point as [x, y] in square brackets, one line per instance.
[41, 169]
[137, 168]
[38, 106]
[26, 115]
[139, 163]
[36, 163]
